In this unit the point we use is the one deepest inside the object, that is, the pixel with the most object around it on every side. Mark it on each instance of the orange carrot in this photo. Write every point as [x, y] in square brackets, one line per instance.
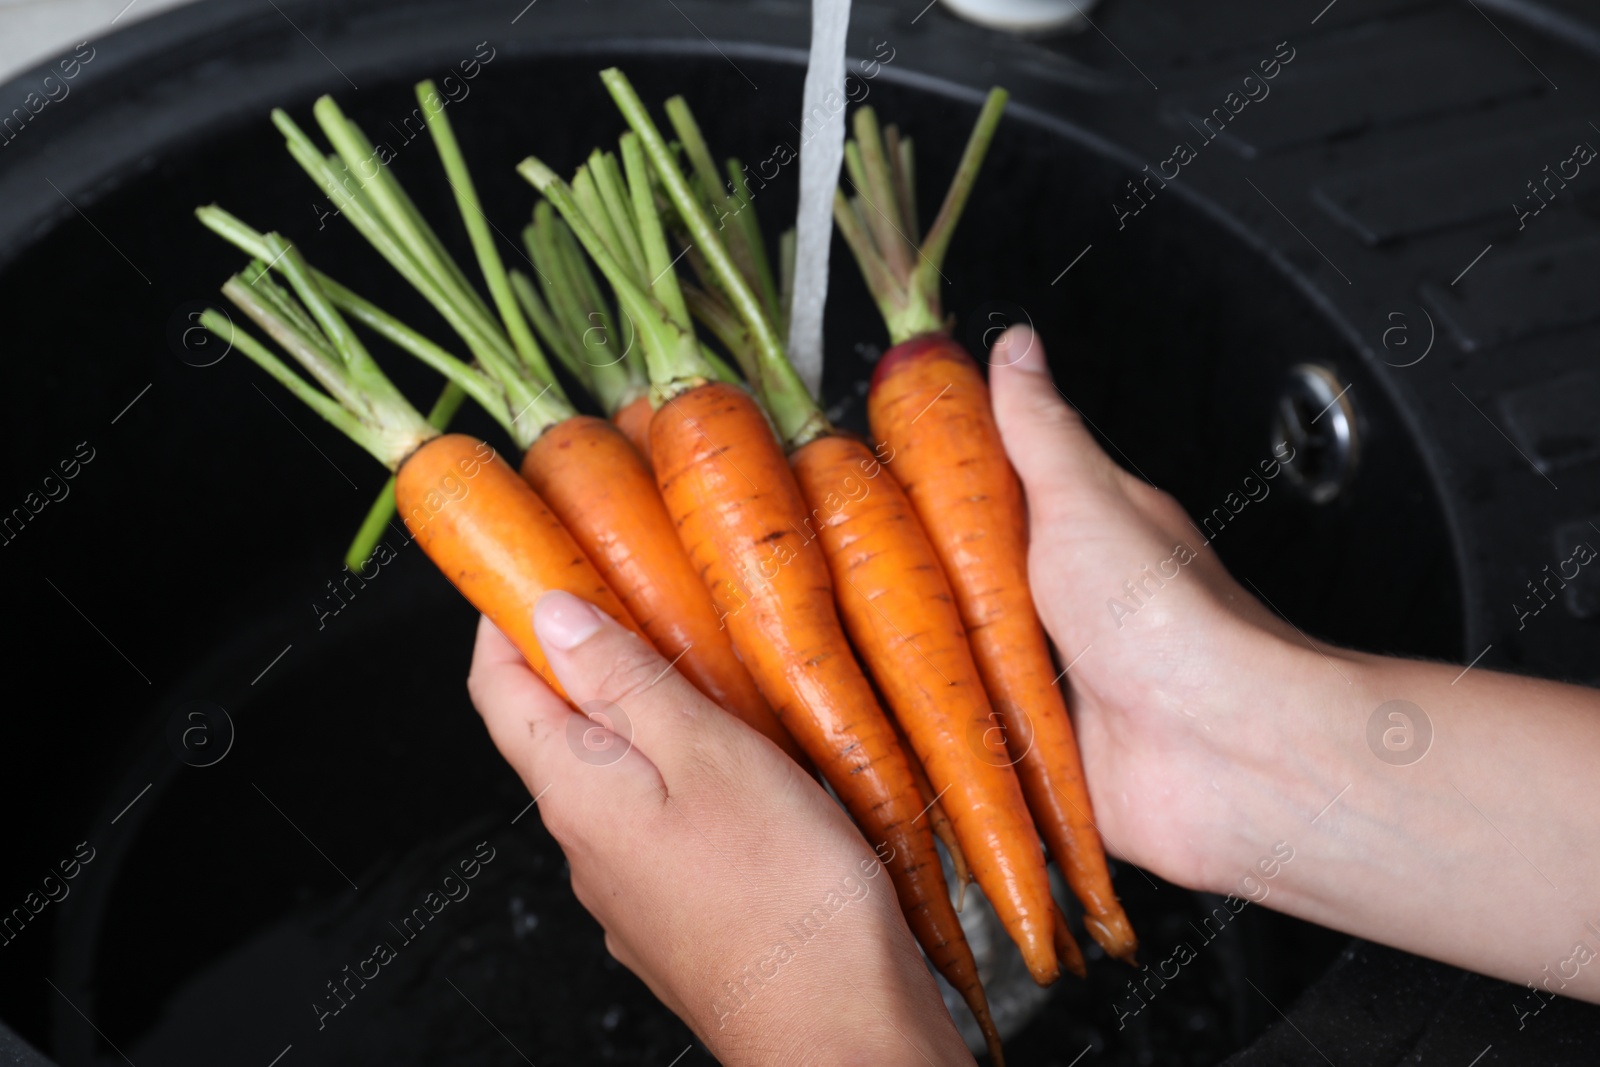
[634, 422]
[954, 468]
[1067, 948]
[600, 488]
[929, 406]
[575, 321]
[899, 610]
[937, 819]
[481, 524]
[739, 513]
[489, 532]
[593, 479]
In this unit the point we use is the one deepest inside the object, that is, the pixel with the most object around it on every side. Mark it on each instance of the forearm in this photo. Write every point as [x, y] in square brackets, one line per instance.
[1475, 846]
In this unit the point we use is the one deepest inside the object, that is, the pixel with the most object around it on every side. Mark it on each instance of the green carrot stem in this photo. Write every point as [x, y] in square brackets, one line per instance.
[485, 391]
[348, 140]
[259, 278]
[715, 199]
[595, 347]
[359, 365]
[408, 212]
[613, 194]
[366, 407]
[903, 277]
[476, 331]
[786, 247]
[547, 325]
[725, 326]
[527, 392]
[587, 195]
[749, 227]
[878, 193]
[374, 525]
[381, 190]
[902, 165]
[483, 243]
[720, 370]
[250, 295]
[672, 355]
[891, 293]
[603, 343]
[696, 151]
[658, 258]
[224, 329]
[796, 415]
[558, 297]
[937, 241]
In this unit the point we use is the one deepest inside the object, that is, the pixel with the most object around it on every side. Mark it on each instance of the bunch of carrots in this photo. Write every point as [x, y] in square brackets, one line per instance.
[716, 512]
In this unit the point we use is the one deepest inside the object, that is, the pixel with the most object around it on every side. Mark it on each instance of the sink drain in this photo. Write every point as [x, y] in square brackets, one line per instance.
[1316, 418]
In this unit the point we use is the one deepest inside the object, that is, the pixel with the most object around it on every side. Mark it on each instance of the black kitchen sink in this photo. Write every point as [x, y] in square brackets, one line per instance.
[267, 766]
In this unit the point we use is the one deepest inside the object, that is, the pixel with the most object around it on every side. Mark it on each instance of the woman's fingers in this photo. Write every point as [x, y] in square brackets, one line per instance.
[631, 695]
[525, 718]
[572, 764]
[1046, 440]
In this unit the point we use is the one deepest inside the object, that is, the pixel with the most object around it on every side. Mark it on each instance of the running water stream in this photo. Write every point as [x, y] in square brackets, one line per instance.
[821, 153]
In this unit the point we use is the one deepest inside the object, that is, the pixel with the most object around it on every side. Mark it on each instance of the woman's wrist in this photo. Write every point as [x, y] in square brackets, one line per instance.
[1286, 733]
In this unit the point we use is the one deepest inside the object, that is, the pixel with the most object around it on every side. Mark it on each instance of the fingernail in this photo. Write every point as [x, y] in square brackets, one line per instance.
[562, 621]
[1022, 350]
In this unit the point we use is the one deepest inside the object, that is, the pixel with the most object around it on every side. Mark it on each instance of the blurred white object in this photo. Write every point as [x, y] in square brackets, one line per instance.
[33, 31]
[821, 154]
[1024, 16]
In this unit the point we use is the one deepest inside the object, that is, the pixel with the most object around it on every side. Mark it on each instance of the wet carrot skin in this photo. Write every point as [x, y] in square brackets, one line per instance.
[901, 615]
[740, 515]
[495, 539]
[929, 409]
[939, 822]
[633, 419]
[597, 485]
[1067, 948]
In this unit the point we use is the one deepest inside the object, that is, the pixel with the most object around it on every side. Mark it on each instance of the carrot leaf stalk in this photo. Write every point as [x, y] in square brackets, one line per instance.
[671, 349]
[572, 315]
[879, 221]
[367, 193]
[477, 225]
[795, 414]
[490, 393]
[356, 396]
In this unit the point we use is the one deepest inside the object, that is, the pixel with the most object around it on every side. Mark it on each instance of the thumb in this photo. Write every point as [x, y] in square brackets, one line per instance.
[630, 693]
[1045, 438]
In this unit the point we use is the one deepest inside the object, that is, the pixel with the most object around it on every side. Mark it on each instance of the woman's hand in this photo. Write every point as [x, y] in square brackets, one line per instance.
[1226, 751]
[723, 875]
[1175, 669]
